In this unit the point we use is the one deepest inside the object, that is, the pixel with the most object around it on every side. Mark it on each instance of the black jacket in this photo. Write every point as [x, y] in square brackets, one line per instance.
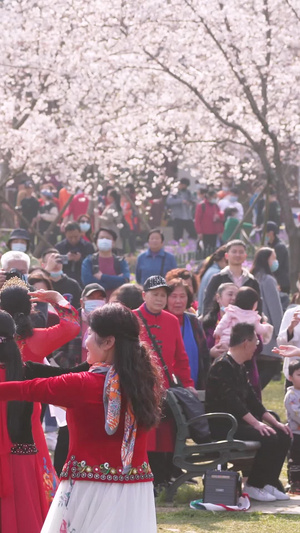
[73, 268]
[224, 277]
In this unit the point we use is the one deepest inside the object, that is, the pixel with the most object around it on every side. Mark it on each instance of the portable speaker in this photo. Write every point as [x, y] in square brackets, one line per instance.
[221, 486]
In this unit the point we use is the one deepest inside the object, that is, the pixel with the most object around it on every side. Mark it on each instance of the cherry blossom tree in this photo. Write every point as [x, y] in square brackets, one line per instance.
[126, 86]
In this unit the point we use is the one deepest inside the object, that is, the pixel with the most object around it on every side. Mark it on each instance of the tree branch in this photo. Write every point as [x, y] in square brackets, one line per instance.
[212, 109]
[293, 9]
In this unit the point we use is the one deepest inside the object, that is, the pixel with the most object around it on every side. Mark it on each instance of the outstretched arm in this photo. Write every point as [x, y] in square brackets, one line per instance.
[65, 391]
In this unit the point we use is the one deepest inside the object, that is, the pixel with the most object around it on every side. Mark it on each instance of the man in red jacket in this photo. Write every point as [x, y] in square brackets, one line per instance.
[209, 222]
[161, 331]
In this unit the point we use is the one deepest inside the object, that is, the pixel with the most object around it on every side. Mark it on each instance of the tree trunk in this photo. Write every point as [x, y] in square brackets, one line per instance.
[292, 230]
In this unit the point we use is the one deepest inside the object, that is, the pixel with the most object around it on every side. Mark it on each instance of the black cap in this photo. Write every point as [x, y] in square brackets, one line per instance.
[272, 226]
[92, 287]
[155, 282]
[19, 233]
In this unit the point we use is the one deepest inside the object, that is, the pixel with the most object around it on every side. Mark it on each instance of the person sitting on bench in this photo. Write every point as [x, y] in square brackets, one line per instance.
[228, 390]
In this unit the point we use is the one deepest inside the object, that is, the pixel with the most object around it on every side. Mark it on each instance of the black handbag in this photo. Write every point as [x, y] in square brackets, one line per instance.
[189, 402]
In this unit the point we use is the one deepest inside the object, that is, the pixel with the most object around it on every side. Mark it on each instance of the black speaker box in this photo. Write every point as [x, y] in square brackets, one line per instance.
[221, 487]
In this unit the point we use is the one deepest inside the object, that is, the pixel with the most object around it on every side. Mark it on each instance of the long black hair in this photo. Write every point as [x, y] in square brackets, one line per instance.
[10, 357]
[16, 301]
[117, 198]
[140, 378]
[217, 256]
[261, 261]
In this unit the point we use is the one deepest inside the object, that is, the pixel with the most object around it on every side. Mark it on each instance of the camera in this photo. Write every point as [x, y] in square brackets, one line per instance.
[64, 259]
[14, 273]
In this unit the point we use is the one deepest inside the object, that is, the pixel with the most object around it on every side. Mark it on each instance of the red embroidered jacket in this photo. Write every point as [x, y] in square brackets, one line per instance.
[45, 340]
[166, 329]
[93, 454]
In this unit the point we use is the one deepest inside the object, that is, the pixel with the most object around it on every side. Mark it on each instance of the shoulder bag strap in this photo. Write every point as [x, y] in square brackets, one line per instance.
[156, 348]
[161, 273]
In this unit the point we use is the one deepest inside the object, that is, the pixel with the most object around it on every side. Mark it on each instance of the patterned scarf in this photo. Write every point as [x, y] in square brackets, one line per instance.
[112, 407]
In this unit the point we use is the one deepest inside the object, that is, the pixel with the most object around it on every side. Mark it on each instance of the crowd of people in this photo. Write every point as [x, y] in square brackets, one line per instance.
[94, 341]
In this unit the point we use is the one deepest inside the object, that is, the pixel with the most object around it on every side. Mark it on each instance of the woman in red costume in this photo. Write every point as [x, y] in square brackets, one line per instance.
[35, 345]
[162, 333]
[23, 504]
[106, 484]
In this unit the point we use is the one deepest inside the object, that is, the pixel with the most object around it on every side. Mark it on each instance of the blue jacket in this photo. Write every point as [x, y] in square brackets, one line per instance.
[149, 265]
[107, 281]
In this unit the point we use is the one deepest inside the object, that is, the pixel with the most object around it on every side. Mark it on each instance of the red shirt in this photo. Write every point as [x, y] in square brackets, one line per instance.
[208, 219]
[78, 206]
[93, 454]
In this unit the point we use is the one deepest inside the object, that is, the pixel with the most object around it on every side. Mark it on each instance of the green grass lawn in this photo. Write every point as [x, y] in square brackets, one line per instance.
[178, 518]
[202, 522]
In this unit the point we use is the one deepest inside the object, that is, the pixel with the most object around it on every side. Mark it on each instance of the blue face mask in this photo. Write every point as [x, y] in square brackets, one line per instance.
[232, 198]
[18, 247]
[104, 245]
[222, 308]
[91, 305]
[84, 226]
[274, 266]
[56, 274]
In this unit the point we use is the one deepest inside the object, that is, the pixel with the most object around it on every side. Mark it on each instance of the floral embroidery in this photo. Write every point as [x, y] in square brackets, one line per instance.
[65, 497]
[49, 482]
[67, 313]
[104, 472]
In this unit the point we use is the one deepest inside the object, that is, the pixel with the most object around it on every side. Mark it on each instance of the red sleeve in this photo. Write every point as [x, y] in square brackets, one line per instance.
[66, 390]
[220, 222]
[221, 215]
[181, 365]
[198, 218]
[45, 340]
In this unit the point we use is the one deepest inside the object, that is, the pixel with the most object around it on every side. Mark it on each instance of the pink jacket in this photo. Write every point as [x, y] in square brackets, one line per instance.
[234, 315]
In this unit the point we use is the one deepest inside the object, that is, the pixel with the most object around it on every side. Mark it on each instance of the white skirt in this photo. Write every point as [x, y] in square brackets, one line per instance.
[92, 507]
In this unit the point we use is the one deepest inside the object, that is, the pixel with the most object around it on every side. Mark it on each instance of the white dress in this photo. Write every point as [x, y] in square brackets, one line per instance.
[95, 507]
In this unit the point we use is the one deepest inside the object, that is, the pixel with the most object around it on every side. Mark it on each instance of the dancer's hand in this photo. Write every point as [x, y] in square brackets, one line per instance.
[287, 350]
[50, 297]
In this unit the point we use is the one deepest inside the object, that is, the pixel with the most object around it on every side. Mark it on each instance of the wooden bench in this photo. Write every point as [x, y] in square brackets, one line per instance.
[194, 458]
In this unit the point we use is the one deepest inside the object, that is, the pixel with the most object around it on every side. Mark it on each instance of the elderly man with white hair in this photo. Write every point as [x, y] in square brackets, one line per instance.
[13, 260]
[20, 263]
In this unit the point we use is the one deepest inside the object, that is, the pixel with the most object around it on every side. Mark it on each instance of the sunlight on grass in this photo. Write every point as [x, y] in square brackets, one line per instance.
[203, 522]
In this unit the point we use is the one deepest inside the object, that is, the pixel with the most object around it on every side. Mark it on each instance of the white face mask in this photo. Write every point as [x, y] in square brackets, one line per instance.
[104, 245]
[18, 247]
[91, 305]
